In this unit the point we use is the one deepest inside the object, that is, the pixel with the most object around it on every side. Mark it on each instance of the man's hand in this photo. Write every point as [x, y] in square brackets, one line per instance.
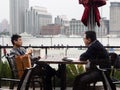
[29, 51]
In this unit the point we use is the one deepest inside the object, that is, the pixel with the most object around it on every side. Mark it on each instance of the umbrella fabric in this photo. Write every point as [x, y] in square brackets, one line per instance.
[97, 15]
[88, 4]
[83, 1]
[86, 15]
[95, 2]
[99, 3]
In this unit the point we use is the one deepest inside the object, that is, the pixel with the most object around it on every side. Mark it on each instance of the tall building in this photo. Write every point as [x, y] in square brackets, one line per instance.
[4, 26]
[17, 15]
[103, 30]
[76, 27]
[115, 18]
[61, 20]
[0, 27]
[35, 18]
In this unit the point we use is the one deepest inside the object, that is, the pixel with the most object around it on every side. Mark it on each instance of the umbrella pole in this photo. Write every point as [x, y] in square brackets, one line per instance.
[91, 20]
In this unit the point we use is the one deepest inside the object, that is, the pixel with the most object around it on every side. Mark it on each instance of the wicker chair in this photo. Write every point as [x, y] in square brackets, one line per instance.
[14, 77]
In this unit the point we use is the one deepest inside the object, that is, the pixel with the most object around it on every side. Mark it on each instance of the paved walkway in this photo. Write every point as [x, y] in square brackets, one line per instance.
[6, 88]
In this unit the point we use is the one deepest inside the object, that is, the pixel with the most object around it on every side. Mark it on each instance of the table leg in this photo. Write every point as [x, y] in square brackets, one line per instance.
[63, 76]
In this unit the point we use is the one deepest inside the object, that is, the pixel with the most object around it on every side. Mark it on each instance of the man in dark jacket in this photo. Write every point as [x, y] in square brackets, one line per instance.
[96, 54]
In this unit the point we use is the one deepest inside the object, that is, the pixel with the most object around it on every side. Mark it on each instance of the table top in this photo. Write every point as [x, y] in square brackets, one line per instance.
[60, 61]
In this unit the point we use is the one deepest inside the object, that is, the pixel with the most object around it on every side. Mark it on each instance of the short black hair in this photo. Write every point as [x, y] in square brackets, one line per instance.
[91, 35]
[15, 37]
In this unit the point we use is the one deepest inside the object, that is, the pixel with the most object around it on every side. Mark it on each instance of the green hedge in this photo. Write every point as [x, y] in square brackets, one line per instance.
[4, 70]
[71, 72]
[117, 74]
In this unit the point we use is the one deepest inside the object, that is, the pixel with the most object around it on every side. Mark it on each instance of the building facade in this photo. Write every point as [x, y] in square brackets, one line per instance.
[103, 30]
[76, 27]
[115, 18]
[4, 26]
[35, 18]
[0, 27]
[17, 15]
[51, 29]
[61, 20]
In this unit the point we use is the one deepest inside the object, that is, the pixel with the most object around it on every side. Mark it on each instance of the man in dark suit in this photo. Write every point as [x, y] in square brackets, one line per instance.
[97, 55]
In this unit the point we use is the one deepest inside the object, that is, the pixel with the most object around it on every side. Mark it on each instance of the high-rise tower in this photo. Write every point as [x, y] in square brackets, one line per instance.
[17, 14]
[115, 18]
[35, 19]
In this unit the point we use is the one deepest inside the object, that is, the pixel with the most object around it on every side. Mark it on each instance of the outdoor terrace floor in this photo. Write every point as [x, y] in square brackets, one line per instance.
[57, 88]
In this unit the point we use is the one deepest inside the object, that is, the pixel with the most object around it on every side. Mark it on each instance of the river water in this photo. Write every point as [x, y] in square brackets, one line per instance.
[112, 41]
[57, 53]
[61, 40]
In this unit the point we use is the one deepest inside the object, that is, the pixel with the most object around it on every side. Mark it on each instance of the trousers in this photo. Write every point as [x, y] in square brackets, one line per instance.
[47, 72]
[83, 81]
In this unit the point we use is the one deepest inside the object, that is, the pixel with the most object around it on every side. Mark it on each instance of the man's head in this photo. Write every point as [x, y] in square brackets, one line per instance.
[16, 40]
[89, 37]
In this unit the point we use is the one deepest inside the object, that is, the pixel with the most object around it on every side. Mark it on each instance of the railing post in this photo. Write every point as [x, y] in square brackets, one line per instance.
[46, 52]
[66, 51]
[0, 53]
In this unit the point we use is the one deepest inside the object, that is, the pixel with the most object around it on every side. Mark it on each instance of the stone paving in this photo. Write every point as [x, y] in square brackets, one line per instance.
[68, 88]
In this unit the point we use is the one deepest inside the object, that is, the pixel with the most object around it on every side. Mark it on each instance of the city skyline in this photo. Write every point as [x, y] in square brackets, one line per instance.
[56, 8]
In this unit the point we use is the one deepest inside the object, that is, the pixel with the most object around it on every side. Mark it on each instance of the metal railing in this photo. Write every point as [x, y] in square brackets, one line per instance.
[46, 48]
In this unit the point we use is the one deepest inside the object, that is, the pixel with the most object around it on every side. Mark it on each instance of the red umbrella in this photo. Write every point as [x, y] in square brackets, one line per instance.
[91, 13]
[4, 52]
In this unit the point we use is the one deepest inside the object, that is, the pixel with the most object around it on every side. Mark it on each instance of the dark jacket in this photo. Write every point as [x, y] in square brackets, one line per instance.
[97, 55]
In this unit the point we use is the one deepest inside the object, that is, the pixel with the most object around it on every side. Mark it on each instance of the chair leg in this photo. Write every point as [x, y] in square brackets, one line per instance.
[0, 82]
[40, 85]
[54, 82]
[94, 84]
[12, 84]
[33, 85]
[104, 85]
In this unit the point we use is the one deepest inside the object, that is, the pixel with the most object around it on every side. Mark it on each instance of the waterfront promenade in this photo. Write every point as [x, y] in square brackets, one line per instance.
[57, 88]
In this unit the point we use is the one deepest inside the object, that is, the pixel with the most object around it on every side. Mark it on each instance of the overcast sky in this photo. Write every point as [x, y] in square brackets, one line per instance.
[70, 8]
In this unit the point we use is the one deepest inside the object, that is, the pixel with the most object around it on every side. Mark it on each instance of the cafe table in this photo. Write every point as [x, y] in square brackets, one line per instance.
[62, 63]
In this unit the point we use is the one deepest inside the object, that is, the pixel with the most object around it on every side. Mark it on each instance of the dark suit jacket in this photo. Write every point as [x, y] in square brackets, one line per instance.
[97, 55]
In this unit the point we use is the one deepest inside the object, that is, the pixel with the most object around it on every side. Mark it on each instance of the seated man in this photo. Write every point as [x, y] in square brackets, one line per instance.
[18, 50]
[97, 55]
